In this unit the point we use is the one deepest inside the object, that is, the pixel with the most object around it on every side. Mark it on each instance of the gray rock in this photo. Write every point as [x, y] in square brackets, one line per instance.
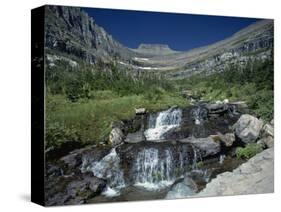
[248, 128]
[135, 137]
[217, 108]
[227, 138]
[140, 111]
[182, 189]
[267, 141]
[207, 146]
[253, 177]
[116, 136]
[69, 190]
[268, 130]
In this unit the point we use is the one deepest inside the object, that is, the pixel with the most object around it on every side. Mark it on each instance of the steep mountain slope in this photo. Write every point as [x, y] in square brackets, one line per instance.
[253, 42]
[71, 33]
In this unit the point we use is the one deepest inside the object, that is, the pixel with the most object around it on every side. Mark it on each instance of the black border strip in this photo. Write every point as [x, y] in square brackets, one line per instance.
[37, 105]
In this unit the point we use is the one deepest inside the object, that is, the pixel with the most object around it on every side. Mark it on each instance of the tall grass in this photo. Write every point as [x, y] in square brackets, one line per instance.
[89, 121]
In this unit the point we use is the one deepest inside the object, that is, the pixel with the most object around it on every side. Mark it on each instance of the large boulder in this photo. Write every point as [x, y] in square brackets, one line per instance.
[248, 128]
[256, 176]
[207, 146]
[116, 136]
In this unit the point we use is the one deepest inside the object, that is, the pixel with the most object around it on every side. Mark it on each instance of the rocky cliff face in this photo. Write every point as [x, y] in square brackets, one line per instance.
[71, 31]
[252, 43]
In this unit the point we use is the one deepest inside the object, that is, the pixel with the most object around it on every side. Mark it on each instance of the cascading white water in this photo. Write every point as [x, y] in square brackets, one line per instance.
[158, 168]
[107, 168]
[199, 114]
[165, 121]
[152, 172]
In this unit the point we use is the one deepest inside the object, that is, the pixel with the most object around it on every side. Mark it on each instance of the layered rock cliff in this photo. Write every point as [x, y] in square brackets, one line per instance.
[72, 33]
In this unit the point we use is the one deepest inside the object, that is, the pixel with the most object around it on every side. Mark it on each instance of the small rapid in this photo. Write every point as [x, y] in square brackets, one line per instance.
[163, 122]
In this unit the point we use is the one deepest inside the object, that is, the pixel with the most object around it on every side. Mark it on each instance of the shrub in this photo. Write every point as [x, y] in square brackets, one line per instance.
[248, 151]
[57, 134]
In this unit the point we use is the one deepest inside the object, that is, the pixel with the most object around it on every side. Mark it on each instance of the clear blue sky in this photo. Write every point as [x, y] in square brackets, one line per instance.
[179, 31]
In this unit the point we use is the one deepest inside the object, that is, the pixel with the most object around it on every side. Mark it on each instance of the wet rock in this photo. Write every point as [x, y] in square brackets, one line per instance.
[116, 136]
[76, 189]
[227, 139]
[135, 137]
[207, 146]
[72, 162]
[154, 156]
[253, 177]
[217, 108]
[248, 128]
[182, 189]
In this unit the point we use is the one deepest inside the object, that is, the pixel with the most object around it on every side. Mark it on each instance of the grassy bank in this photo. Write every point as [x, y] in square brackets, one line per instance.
[82, 103]
[88, 121]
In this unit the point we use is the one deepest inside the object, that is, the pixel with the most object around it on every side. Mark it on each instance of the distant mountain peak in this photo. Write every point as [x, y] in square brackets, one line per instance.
[157, 49]
[154, 46]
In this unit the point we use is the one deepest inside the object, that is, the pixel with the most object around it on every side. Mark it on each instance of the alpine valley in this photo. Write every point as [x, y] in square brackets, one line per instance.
[127, 124]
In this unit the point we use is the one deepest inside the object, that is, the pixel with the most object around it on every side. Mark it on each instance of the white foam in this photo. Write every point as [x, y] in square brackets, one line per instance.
[154, 134]
[109, 192]
[165, 121]
[154, 186]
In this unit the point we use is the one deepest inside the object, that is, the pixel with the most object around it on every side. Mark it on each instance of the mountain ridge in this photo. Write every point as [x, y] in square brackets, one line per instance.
[72, 31]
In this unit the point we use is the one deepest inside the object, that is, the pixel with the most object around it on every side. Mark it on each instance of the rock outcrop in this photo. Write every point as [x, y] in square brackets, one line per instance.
[72, 31]
[116, 136]
[253, 177]
[248, 128]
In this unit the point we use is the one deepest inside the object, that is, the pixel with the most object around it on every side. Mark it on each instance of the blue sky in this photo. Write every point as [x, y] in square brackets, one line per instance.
[179, 31]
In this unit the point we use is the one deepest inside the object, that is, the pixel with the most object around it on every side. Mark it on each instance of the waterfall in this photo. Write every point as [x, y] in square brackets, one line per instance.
[152, 172]
[162, 123]
[198, 114]
[107, 168]
[159, 168]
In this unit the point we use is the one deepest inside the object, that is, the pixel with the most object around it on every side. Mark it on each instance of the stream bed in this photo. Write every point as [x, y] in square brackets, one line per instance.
[176, 159]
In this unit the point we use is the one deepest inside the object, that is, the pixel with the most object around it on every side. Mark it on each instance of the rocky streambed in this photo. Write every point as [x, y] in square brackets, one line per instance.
[170, 154]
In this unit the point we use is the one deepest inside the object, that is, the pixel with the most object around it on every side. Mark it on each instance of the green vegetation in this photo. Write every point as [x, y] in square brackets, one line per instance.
[253, 84]
[249, 151]
[83, 102]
